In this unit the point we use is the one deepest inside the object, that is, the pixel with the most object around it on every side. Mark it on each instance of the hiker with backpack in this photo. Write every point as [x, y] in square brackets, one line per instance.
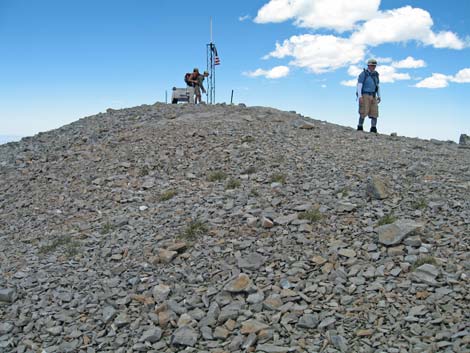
[368, 92]
[195, 79]
[199, 86]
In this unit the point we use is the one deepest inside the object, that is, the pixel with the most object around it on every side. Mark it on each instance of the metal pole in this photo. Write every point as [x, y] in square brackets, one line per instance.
[166, 97]
[231, 98]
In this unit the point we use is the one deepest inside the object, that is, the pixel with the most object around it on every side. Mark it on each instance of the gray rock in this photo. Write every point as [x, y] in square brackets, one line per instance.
[6, 327]
[151, 335]
[251, 262]
[339, 342]
[393, 234]
[160, 292]
[108, 313]
[308, 321]
[271, 348]
[184, 336]
[7, 295]
[377, 188]
[426, 273]
[240, 284]
[464, 140]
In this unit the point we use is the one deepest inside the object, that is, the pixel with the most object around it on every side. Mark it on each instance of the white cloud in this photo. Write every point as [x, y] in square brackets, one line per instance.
[404, 24]
[435, 81]
[339, 15]
[388, 74]
[409, 63]
[463, 76]
[244, 18]
[275, 72]
[319, 53]
[350, 83]
[442, 81]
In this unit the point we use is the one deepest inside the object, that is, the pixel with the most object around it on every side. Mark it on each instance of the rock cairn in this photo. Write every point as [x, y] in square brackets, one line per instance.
[182, 228]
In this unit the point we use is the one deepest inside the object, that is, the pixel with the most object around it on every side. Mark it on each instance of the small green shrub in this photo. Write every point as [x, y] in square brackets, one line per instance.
[313, 215]
[217, 176]
[278, 178]
[194, 229]
[66, 242]
[424, 260]
[167, 195]
[248, 139]
[249, 170]
[387, 219]
[233, 184]
[254, 193]
[419, 204]
[108, 227]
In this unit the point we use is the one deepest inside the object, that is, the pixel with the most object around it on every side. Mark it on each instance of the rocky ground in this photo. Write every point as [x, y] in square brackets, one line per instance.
[169, 228]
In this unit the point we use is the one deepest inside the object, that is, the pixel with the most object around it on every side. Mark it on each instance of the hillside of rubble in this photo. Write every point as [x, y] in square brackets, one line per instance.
[183, 228]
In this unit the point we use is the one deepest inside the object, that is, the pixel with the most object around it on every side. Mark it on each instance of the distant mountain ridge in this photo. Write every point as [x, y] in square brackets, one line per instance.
[9, 138]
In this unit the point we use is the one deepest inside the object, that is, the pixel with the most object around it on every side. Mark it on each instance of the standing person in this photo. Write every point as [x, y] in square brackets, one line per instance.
[199, 86]
[368, 92]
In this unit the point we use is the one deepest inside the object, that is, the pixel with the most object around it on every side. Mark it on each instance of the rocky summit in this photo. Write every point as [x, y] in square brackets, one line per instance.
[183, 228]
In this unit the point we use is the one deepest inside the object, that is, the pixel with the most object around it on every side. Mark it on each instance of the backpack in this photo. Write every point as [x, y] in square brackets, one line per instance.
[187, 76]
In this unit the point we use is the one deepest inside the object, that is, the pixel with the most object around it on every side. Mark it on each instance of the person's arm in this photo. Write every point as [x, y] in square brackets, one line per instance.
[359, 90]
[378, 94]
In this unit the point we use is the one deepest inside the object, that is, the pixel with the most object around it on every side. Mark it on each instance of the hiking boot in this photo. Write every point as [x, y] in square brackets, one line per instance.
[373, 129]
[360, 128]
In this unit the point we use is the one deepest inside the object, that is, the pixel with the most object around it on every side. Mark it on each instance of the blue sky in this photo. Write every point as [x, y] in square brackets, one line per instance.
[63, 60]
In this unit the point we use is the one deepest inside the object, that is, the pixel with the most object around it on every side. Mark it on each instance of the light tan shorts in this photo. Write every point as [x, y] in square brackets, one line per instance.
[369, 107]
[197, 90]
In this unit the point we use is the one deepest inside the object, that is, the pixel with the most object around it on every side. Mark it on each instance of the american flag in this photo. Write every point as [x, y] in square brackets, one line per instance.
[216, 56]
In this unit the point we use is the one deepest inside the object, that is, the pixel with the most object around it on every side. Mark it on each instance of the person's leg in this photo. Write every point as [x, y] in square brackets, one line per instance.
[373, 124]
[363, 111]
[374, 114]
[360, 124]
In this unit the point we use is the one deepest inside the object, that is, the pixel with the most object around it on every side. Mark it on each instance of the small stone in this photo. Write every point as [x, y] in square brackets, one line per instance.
[364, 332]
[308, 321]
[221, 333]
[393, 234]
[240, 284]
[252, 326]
[344, 206]
[426, 273]
[267, 222]
[327, 322]
[184, 336]
[376, 188]
[255, 298]
[5, 328]
[318, 260]
[464, 140]
[396, 251]
[166, 256]
[251, 262]
[347, 253]
[271, 348]
[108, 314]
[152, 335]
[419, 310]
[160, 292]
[7, 295]
[339, 342]
[54, 331]
[121, 320]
